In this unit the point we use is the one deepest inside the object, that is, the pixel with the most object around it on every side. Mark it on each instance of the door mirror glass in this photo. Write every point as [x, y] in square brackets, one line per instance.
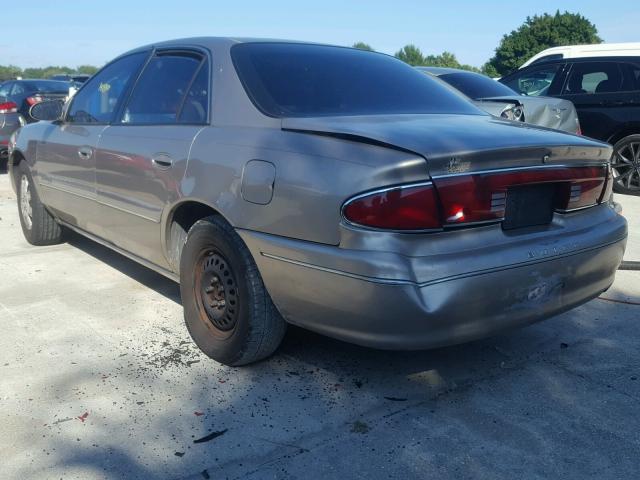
[49, 110]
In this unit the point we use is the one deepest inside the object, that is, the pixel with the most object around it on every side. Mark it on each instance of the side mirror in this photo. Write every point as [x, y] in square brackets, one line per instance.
[49, 110]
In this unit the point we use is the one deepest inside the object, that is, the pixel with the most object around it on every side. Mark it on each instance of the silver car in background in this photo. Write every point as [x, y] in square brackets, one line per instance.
[495, 98]
[327, 187]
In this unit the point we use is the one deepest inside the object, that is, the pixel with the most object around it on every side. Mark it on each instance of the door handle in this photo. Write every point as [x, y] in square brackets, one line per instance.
[85, 153]
[162, 161]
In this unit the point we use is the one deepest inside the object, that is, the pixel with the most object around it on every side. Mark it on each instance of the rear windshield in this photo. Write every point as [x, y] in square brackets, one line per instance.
[476, 86]
[47, 86]
[300, 80]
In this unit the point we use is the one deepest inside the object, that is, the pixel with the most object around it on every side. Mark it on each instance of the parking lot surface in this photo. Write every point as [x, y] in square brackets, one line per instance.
[99, 379]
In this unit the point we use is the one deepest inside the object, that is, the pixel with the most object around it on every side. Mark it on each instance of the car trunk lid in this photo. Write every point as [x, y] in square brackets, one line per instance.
[460, 143]
[483, 170]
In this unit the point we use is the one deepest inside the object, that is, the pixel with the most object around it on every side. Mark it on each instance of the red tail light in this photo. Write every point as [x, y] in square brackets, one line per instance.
[33, 100]
[473, 198]
[413, 207]
[481, 197]
[8, 107]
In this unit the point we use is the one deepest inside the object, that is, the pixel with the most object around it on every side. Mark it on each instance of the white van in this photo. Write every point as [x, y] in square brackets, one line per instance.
[594, 50]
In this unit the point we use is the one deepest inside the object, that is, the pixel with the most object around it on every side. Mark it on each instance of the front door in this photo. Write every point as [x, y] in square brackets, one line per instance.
[66, 155]
[143, 156]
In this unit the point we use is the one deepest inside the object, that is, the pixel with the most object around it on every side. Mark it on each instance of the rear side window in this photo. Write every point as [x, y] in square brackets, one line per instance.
[596, 77]
[533, 82]
[300, 80]
[98, 99]
[46, 86]
[160, 92]
[476, 86]
[196, 103]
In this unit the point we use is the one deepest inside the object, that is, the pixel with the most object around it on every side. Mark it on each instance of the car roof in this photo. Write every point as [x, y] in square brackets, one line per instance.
[618, 58]
[38, 80]
[218, 42]
[621, 58]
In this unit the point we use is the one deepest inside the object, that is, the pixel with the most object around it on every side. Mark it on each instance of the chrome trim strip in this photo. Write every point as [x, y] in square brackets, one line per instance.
[163, 271]
[570, 210]
[515, 169]
[411, 283]
[64, 190]
[95, 199]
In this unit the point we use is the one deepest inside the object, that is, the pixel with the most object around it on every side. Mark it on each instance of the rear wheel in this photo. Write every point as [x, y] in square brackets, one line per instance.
[626, 165]
[38, 225]
[227, 308]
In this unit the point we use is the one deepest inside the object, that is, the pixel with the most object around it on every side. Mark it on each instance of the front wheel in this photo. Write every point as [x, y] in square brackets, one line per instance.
[626, 165]
[38, 225]
[227, 308]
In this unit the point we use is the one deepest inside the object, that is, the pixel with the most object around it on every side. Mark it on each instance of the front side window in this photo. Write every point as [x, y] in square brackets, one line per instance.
[99, 98]
[302, 80]
[533, 82]
[159, 94]
[597, 77]
[46, 86]
[548, 58]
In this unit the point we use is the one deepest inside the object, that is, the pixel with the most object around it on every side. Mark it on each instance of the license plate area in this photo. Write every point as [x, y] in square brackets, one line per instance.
[529, 205]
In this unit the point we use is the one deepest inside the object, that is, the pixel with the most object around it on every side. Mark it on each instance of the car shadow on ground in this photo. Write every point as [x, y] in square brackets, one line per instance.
[147, 277]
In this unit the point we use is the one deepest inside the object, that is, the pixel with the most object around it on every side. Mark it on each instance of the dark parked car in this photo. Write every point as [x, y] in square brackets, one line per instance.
[488, 94]
[26, 93]
[333, 188]
[10, 121]
[73, 77]
[606, 94]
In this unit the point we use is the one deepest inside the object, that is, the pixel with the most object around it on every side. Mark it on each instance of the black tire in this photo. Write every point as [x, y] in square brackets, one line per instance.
[227, 309]
[626, 165]
[38, 225]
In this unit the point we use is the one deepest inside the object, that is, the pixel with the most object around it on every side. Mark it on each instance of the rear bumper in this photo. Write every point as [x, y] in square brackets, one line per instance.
[416, 305]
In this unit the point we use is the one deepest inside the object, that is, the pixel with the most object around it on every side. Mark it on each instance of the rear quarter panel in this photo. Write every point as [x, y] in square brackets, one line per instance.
[314, 176]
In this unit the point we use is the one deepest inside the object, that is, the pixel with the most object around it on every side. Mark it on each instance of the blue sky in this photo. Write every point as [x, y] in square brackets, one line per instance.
[72, 33]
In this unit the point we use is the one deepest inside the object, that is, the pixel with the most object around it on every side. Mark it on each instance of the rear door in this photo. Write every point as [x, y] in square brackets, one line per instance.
[142, 157]
[66, 154]
[605, 94]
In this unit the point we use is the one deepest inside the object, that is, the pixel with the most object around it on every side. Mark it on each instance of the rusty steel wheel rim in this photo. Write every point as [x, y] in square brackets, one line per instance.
[216, 291]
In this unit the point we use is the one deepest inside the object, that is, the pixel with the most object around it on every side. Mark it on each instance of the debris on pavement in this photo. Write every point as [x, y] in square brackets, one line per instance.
[211, 436]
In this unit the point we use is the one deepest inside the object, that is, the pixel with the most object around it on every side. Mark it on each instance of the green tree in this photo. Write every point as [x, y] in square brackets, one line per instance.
[410, 54]
[87, 69]
[9, 71]
[363, 46]
[445, 59]
[489, 70]
[541, 32]
[45, 72]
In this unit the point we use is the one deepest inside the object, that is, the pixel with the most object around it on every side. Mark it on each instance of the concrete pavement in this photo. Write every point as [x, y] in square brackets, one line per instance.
[99, 380]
